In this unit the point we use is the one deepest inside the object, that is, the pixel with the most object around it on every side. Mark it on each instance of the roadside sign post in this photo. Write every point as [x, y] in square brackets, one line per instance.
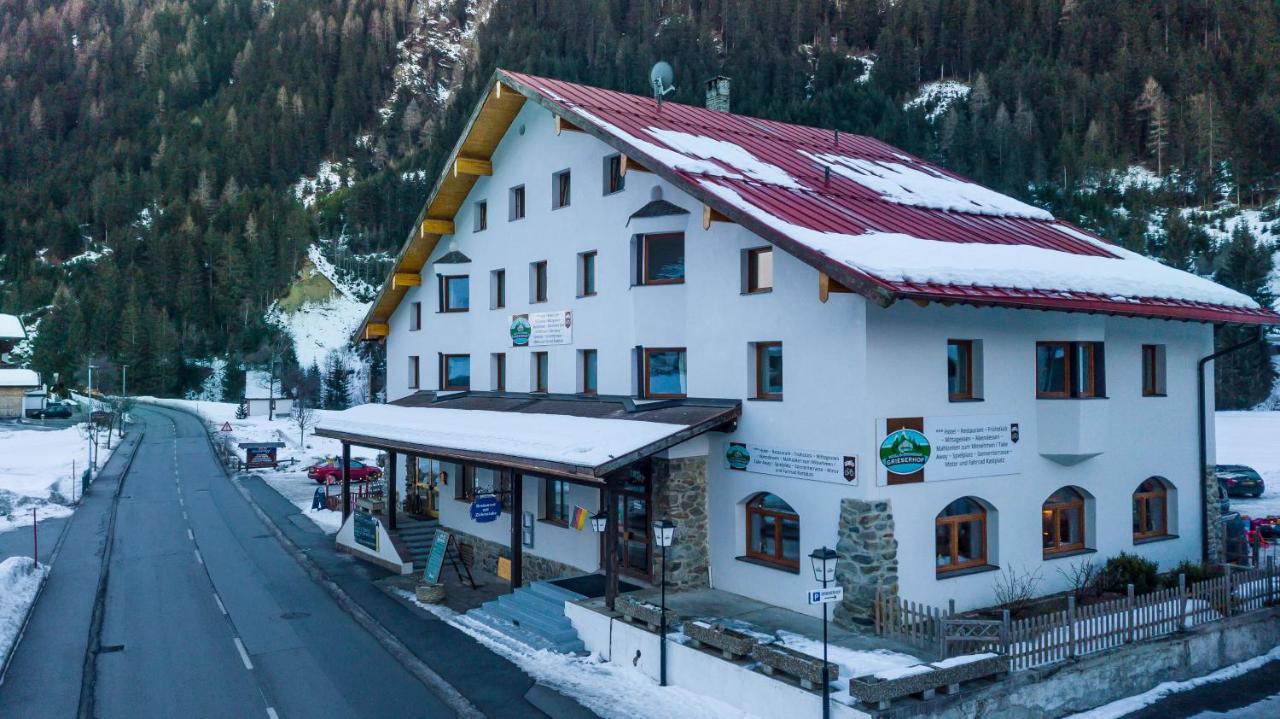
[35, 539]
[824, 570]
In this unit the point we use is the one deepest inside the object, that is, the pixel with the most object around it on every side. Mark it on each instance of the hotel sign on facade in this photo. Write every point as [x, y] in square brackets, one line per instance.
[541, 329]
[793, 463]
[936, 449]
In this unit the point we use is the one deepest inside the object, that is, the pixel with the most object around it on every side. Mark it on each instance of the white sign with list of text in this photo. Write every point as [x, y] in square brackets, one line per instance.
[972, 446]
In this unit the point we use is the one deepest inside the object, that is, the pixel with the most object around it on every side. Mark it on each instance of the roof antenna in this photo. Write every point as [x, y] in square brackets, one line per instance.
[660, 78]
[826, 174]
[837, 138]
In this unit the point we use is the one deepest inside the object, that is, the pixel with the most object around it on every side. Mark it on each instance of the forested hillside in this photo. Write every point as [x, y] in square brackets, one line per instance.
[166, 139]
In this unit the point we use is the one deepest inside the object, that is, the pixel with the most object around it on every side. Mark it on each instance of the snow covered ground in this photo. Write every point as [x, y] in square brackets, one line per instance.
[37, 467]
[292, 483]
[19, 582]
[1253, 439]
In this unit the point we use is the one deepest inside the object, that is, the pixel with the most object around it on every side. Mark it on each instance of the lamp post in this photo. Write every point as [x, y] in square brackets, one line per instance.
[663, 532]
[603, 523]
[93, 437]
[824, 570]
[124, 394]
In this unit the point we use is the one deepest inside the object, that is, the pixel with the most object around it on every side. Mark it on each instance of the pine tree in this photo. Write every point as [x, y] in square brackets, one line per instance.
[337, 382]
[1245, 378]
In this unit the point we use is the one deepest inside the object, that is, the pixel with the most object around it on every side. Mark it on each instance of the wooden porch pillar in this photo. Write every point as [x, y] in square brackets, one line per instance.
[517, 527]
[346, 481]
[392, 500]
[610, 546]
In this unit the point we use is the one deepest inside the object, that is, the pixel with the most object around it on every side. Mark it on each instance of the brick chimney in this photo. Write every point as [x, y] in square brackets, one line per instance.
[718, 93]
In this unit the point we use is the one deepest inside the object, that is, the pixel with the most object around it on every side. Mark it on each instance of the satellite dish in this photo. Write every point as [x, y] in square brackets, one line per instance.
[660, 79]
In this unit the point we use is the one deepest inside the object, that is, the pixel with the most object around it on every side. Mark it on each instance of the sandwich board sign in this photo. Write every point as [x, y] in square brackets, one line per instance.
[435, 560]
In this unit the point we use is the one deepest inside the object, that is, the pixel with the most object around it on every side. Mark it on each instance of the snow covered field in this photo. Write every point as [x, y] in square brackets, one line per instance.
[19, 582]
[36, 471]
[292, 483]
[1253, 439]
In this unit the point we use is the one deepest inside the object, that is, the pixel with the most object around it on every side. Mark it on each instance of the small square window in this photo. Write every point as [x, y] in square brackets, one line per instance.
[538, 282]
[587, 274]
[515, 202]
[665, 373]
[455, 293]
[539, 367]
[1069, 369]
[1153, 372]
[415, 316]
[964, 370]
[614, 180]
[497, 289]
[413, 372]
[758, 270]
[455, 372]
[498, 371]
[662, 259]
[587, 369]
[768, 370]
[560, 187]
[481, 215]
[555, 508]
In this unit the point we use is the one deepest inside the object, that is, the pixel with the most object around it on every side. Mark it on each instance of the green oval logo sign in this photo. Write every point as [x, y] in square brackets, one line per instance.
[905, 451]
[520, 330]
[737, 456]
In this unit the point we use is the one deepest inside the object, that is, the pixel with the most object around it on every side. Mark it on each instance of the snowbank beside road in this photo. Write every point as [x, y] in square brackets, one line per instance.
[19, 582]
[39, 468]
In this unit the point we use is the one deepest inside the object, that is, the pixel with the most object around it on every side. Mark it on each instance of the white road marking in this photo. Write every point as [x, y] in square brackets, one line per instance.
[218, 599]
[271, 713]
[190, 536]
[244, 656]
[184, 515]
[199, 558]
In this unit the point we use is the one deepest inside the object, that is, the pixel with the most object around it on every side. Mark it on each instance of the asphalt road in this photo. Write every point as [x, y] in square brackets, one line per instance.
[204, 613]
[1255, 694]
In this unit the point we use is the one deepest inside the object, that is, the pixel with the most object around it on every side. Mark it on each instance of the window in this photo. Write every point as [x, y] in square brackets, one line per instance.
[664, 373]
[768, 365]
[515, 203]
[455, 293]
[614, 180]
[538, 281]
[960, 536]
[773, 531]
[415, 316]
[481, 215]
[455, 372]
[1151, 509]
[413, 371]
[476, 482]
[1069, 369]
[560, 190]
[587, 359]
[960, 361]
[759, 270]
[555, 501]
[498, 371]
[1153, 375]
[662, 259]
[497, 289]
[587, 274]
[539, 369]
[1062, 522]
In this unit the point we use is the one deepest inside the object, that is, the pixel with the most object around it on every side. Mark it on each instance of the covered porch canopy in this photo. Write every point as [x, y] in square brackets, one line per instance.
[579, 439]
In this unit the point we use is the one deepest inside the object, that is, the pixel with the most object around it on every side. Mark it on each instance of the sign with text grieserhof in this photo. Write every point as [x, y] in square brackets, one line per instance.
[937, 449]
[540, 329]
[793, 463]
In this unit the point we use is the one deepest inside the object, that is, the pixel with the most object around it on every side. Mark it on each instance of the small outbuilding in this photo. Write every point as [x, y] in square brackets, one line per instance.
[263, 396]
[15, 383]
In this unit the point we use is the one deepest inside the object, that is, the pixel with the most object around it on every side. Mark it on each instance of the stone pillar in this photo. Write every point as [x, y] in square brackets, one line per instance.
[868, 560]
[680, 494]
[1214, 527]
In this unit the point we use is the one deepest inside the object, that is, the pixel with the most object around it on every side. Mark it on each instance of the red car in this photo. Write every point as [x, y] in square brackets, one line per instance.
[330, 471]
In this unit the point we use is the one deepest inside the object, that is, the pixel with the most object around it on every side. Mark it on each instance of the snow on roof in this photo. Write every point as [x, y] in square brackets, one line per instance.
[19, 378]
[11, 327]
[891, 224]
[580, 441]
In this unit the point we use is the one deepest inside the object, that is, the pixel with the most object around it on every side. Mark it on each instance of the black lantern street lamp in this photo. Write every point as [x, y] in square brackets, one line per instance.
[663, 532]
[824, 570]
[599, 521]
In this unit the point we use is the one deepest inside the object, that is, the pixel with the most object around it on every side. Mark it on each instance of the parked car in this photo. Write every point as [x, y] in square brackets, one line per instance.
[330, 470]
[1240, 481]
[53, 410]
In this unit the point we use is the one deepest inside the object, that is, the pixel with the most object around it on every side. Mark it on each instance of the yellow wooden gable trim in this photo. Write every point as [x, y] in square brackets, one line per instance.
[406, 279]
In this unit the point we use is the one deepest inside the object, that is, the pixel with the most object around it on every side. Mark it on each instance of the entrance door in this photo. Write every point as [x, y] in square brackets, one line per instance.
[634, 523]
[423, 487]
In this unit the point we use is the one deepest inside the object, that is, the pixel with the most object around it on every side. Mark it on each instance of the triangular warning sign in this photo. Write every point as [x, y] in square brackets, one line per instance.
[226, 426]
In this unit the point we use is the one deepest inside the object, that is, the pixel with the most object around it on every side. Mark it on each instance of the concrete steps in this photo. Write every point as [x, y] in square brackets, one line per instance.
[534, 616]
[417, 537]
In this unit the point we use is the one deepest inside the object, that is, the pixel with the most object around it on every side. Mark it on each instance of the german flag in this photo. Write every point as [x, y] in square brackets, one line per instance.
[579, 518]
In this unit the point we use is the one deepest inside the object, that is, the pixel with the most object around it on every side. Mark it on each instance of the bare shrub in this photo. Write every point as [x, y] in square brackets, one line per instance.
[1015, 588]
[1082, 577]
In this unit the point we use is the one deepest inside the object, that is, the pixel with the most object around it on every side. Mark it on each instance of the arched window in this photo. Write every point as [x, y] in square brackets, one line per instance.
[961, 535]
[1062, 522]
[1151, 509]
[773, 531]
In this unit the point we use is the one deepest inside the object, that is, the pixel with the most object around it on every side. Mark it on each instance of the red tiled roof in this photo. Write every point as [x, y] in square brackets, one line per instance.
[820, 199]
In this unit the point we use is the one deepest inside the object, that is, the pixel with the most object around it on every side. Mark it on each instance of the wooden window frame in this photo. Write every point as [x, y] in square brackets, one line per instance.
[968, 393]
[1052, 510]
[753, 271]
[481, 210]
[587, 261]
[445, 307]
[1152, 384]
[498, 299]
[585, 389]
[415, 372]
[518, 203]
[415, 316]
[444, 373]
[649, 352]
[644, 259]
[1086, 357]
[466, 487]
[541, 382]
[561, 189]
[777, 559]
[555, 515]
[499, 380]
[1140, 498]
[1068, 371]
[614, 180]
[761, 393]
[538, 289]
[953, 523]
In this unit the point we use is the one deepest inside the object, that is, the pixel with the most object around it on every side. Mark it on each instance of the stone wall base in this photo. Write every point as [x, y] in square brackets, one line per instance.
[868, 560]
[534, 567]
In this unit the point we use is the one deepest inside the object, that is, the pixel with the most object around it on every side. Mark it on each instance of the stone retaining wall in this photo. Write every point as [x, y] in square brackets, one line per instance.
[868, 560]
[534, 568]
[680, 494]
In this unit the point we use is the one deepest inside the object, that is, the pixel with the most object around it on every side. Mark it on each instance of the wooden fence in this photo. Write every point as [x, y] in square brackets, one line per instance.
[1080, 630]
